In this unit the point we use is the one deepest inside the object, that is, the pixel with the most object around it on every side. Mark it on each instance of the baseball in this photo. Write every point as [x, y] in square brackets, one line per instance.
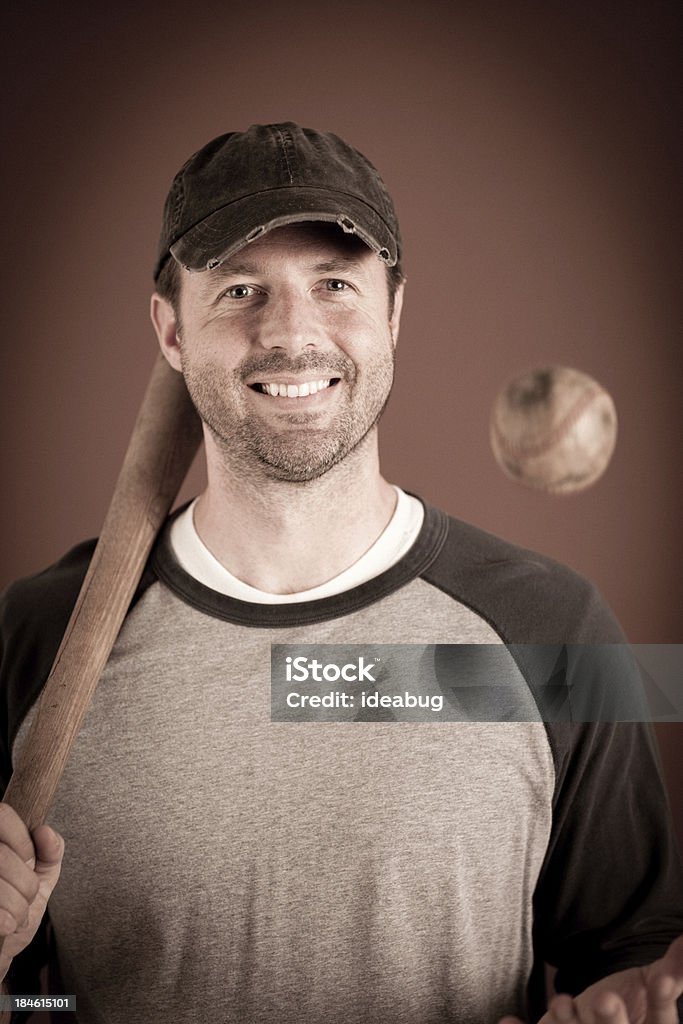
[554, 429]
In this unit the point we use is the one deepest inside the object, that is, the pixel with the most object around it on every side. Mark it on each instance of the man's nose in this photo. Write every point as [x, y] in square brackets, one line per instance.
[289, 321]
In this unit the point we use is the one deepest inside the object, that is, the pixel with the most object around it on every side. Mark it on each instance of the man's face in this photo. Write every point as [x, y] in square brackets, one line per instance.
[288, 350]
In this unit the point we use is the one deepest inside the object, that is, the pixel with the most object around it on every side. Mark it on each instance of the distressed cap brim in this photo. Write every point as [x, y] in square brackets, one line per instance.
[233, 226]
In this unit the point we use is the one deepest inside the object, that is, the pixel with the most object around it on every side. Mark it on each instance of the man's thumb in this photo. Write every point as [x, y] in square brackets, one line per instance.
[49, 847]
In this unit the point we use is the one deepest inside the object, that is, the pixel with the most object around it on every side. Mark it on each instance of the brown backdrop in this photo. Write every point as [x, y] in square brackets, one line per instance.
[533, 151]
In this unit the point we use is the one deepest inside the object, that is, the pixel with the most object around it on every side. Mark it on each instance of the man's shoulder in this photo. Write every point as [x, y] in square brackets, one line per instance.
[34, 612]
[476, 549]
[528, 597]
[47, 596]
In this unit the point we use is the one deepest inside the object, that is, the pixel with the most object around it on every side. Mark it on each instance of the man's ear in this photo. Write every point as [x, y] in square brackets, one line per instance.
[166, 327]
[395, 318]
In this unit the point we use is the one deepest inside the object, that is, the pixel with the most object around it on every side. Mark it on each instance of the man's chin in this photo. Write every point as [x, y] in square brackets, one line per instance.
[297, 471]
[295, 457]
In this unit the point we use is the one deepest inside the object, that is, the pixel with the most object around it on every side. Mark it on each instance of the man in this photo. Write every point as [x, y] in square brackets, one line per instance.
[227, 865]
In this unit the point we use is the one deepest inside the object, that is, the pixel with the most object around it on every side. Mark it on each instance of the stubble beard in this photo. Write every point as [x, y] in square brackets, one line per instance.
[302, 451]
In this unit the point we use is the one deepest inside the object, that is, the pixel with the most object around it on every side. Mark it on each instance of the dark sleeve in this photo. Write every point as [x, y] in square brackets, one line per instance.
[610, 892]
[34, 613]
[33, 616]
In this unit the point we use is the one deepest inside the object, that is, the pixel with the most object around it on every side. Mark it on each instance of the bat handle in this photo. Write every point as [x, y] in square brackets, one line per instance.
[165, 438]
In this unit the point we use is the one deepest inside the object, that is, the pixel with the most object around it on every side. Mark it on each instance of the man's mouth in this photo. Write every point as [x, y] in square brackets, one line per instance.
[278, 389]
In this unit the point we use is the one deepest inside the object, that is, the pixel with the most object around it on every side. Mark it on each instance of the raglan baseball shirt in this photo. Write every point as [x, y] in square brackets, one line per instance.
[373, 869]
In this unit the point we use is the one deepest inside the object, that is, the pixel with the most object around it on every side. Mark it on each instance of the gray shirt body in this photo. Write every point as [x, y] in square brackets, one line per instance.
[224, 867]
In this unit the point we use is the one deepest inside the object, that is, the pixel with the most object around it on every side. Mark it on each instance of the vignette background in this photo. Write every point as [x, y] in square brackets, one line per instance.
[533, 150]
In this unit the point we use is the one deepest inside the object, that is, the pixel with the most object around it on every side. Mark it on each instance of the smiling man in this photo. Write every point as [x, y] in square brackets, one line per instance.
[383, 867]
[290, 369]
[297, 400]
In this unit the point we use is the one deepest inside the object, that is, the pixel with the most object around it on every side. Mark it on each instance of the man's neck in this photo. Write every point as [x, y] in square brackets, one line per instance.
[284, 538]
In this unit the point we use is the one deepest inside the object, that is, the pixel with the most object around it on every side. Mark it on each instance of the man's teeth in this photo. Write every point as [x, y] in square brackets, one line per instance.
[311, 387]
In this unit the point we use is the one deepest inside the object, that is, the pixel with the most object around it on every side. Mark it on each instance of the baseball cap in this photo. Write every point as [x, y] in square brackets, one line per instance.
[242, 184]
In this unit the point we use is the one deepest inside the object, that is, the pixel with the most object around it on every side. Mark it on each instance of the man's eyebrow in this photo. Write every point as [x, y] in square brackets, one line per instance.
[234, 268]
[338, 263]
[237, 268]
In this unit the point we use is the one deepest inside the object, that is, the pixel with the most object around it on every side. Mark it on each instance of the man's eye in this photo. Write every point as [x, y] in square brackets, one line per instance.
[240, 291]
[333, 284]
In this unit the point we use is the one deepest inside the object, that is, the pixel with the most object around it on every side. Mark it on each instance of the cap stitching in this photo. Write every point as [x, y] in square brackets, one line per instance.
[284, 139]
[175, 203]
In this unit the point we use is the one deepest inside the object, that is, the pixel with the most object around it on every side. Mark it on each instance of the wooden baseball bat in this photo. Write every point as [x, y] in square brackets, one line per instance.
[165, 438]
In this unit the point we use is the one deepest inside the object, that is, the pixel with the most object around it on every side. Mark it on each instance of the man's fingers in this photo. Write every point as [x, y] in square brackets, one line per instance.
[26, 884]
[16, 874]
[609, 1009]
[671, 964]
[13, 908]
[662, 995]
[561, 1011]
[19, 886]
[665, 985]
[599, 1008]
[13, 833]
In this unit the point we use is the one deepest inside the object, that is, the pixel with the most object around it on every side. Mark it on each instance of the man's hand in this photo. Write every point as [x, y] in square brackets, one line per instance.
[641, 995]
[29, 869]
